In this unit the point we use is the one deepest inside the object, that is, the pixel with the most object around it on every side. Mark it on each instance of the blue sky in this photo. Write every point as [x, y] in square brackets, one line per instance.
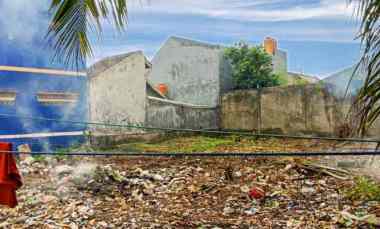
[318, 34]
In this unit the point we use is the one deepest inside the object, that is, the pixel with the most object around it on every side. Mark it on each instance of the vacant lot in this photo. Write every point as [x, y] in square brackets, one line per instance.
[84, 192]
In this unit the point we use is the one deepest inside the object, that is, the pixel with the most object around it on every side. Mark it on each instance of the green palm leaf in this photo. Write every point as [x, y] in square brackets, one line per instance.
[367, 104]
[72, 19]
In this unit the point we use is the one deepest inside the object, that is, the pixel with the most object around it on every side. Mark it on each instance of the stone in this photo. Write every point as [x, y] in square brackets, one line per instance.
[228, 211]
[308, 190]
[24, 148]
[102, 224]
[63, 170]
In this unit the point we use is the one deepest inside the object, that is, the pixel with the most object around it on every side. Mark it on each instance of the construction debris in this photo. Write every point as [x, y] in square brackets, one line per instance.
[182, 193]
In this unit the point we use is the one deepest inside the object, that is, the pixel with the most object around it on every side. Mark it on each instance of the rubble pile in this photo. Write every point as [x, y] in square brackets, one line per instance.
[184, 193]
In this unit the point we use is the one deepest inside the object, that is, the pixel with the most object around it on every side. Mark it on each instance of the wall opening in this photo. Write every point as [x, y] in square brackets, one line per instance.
[7, 97]
[57, 97]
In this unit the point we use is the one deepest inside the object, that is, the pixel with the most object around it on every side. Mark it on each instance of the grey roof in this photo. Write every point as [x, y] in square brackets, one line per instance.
[347, 80]
[108, 62]
[189, 42]
[154, 91]
[309, 78]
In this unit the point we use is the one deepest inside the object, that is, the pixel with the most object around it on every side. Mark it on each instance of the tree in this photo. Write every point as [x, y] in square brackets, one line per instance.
[72, 19]
[251, 67]
[367, 104]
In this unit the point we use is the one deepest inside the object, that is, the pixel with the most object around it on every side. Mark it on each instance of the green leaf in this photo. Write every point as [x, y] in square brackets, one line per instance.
[73, 19]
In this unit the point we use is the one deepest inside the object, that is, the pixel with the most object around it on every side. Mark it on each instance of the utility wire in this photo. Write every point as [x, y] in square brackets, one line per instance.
[202, 154]
[192, 130]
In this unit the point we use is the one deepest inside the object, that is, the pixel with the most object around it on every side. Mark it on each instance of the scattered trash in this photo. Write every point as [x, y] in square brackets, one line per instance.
[184, 193]
[348, 219]
[256, 193]
[308, 190]
[251, 211]
[334, 172]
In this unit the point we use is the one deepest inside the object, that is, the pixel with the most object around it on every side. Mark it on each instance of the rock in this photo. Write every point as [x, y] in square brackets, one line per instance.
[238, 174]
[20, 220]
[158, 177]
[83, 173]
[25, 151]
[308, 190]
[244, 188]
[63, 170]
[102, 224]
[228, 211]
[28, 160]
[85, 211]
[73, 225]
[47, 199]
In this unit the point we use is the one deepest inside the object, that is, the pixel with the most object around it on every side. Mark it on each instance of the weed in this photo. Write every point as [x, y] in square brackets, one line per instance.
[38, 158]
[320, 86]
[194, 144]
[364, 189]
[300, 81]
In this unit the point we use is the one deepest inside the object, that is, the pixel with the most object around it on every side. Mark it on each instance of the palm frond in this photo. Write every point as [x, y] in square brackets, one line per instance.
[367, 103]
[72, 20]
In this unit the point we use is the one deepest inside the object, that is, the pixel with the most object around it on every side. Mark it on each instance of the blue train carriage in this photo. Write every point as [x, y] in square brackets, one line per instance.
[31, 86]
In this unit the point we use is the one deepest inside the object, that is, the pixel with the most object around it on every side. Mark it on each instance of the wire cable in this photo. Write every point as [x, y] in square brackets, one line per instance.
[202, 154]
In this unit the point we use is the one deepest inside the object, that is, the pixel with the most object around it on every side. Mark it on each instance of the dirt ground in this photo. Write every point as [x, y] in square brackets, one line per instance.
[84, 192]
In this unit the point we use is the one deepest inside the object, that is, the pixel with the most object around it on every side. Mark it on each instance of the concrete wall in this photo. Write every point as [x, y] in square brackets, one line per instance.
[297, 109]
[240, 110]
[195, 72]
[117, 90]
[170, 114]
[280, 62]
[308, 109]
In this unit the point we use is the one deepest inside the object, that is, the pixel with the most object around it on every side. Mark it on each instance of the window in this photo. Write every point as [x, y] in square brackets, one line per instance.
[57, 97]
[7, 97]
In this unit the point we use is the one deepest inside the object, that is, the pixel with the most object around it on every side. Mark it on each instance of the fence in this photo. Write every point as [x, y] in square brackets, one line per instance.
[301, 109]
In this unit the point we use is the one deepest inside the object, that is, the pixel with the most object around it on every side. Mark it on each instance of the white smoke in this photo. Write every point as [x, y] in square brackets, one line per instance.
[21, 19]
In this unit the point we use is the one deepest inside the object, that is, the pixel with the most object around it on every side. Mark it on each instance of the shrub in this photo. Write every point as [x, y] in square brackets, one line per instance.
[251, 67]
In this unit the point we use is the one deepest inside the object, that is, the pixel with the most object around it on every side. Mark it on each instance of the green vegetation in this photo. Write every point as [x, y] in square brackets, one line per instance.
[39, 158]
[283, 78]
[320, 86]
[72, 19]
[199, 143]
[364, 189]
[193, 144]
[300, 81]
[368, 100]
[60, 153]
[251, 67]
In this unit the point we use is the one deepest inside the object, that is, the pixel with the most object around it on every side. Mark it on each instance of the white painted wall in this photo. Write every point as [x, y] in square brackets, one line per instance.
[194, 71]
[118, 93]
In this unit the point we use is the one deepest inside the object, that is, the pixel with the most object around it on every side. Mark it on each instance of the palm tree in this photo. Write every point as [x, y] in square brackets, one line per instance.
[367, 103]
[72, 19]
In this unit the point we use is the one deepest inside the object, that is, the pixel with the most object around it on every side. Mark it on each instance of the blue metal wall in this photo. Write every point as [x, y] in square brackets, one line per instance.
[36, 54]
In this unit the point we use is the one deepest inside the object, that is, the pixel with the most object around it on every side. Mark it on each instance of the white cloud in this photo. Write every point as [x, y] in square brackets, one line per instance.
[249, 11]
[21, 19]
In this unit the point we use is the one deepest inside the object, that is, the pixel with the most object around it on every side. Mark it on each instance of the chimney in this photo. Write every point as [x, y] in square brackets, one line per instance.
[163, 89]
[270, 45]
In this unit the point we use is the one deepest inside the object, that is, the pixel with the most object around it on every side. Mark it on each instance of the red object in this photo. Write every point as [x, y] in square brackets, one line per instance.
[256, 193]
[10, 179]
[163, 88]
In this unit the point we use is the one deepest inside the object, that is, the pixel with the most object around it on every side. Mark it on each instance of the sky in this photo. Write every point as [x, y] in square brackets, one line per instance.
[318, 34]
